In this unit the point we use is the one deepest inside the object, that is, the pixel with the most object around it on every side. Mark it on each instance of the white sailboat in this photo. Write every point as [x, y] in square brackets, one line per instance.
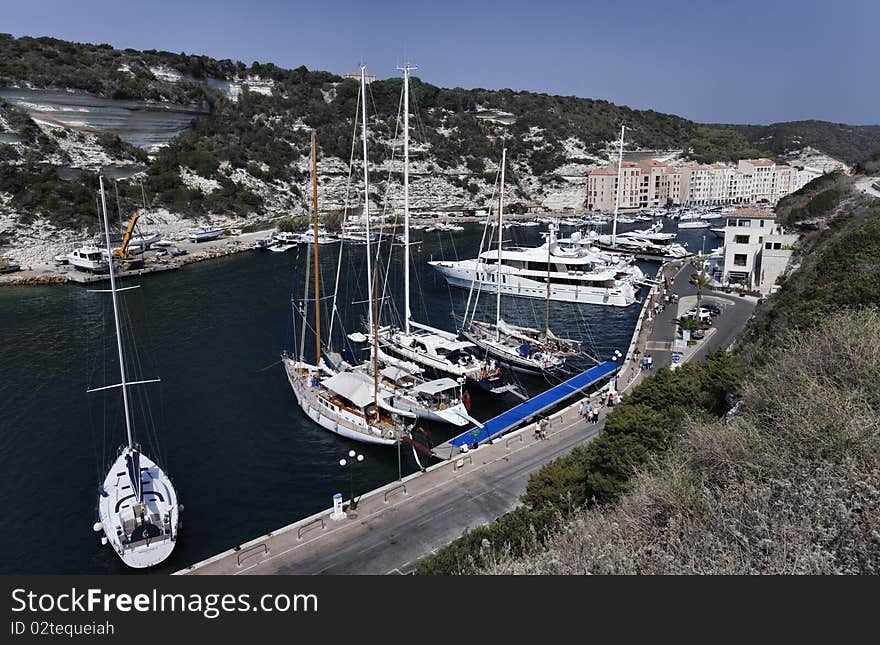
[521, 348]
[138, 509]
[346, 402]
[435, 349]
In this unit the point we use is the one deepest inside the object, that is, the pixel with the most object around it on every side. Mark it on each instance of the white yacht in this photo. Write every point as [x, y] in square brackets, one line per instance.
[89, 258]
[577, 273]
[438, 400]
[694, 223]
[645, 244]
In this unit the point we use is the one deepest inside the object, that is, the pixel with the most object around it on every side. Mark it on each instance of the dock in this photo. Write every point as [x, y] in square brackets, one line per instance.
[526, 411]
[81, 277]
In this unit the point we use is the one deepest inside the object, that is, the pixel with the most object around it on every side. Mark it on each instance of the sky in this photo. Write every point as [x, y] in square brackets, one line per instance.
[731, 61]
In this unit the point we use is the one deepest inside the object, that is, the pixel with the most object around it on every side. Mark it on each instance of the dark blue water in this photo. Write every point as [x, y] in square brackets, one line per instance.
[243, 457]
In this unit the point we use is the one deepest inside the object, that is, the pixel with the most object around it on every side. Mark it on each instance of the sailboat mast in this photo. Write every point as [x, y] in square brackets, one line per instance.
[367, 195]
[619, 187]
[124, 383]
[406, 306]
[315, 213]
[500, 222]
[375, 332]
[547, 304]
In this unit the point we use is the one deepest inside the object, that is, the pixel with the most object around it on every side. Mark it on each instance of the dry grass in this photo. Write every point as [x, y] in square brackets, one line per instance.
[791, 485]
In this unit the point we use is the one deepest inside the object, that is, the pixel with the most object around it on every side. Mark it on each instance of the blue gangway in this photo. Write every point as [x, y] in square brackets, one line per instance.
[534, 406]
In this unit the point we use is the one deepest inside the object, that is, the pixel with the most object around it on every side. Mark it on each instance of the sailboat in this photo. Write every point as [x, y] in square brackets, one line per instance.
[521, 348]
[344, 401]
[438, 350]
[137, 509]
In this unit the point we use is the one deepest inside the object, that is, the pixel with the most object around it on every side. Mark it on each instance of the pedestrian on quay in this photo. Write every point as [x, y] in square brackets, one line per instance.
[650, 362]
[595, 415]
[581, 409]
[545, 423]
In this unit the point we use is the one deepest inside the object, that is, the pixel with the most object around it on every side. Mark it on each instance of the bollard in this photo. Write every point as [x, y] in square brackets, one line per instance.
[337, 513]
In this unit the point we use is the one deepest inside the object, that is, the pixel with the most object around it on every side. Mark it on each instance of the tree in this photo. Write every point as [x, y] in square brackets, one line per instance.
[702, 280]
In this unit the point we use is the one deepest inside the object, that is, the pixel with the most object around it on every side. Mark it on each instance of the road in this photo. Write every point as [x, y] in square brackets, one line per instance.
[736, 310]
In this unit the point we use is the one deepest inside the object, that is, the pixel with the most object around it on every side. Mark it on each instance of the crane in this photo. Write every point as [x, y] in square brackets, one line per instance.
[122, 252]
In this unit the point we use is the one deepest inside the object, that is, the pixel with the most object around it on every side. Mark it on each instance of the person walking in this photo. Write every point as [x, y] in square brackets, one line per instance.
[581, 409]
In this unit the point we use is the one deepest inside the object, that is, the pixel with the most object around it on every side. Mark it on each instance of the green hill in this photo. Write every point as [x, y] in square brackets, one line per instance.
[248, 150]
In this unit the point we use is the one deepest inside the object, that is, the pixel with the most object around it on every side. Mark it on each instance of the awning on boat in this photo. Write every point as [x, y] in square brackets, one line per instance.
[395, 374]
[436, 386]
[357, 387]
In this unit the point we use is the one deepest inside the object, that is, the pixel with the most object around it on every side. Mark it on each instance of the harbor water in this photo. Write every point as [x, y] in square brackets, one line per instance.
[223, 422]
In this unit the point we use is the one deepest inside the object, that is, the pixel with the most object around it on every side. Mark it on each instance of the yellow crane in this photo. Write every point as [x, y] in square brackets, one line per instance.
[122, 252]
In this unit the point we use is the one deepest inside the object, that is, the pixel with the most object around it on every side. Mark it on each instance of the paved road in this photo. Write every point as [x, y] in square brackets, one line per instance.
[736, 311]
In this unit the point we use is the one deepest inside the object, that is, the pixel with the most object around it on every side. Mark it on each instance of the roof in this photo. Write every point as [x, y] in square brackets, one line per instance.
[751, 213]
[434, 387]
[759, 162]
[357, 387]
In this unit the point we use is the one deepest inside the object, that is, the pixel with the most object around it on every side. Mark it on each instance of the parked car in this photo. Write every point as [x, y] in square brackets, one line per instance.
[161, 253]
[702, 315]
[177, 251]
[713, 309]
[698, 334]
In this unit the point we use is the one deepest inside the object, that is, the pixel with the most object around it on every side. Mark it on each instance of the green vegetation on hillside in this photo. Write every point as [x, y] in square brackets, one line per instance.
[253, 147]
[817, 199]
[849, 143]
[636, 433]
[789, 485]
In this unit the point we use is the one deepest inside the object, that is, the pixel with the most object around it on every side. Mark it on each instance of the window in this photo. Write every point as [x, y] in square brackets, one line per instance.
[741, 239]
[739, 259]
[768, 245]
[777, 246]
[745, 223]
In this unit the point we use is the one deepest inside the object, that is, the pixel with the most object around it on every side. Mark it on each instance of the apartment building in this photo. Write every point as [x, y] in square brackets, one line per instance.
[756, 250]
[652, 184]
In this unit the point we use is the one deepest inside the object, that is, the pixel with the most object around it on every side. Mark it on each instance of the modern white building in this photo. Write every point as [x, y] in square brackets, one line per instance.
[756, 250]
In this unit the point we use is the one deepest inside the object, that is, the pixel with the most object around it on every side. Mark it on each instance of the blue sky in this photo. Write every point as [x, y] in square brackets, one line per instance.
[741, 61]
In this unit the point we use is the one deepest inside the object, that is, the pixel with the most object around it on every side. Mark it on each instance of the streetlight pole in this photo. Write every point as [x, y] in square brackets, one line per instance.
[353, 457]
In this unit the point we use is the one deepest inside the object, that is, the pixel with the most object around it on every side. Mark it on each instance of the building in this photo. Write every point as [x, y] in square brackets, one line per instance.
[652, 184]
[368, 78]
[756, 250]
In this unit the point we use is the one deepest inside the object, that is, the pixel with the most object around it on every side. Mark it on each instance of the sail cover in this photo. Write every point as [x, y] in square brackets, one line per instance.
[133, 463]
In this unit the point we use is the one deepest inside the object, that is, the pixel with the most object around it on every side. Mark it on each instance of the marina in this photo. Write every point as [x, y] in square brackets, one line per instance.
[243, 410]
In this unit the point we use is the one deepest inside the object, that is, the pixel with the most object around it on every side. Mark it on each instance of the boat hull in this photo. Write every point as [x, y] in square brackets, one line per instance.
[518, 286]
[327, 416]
